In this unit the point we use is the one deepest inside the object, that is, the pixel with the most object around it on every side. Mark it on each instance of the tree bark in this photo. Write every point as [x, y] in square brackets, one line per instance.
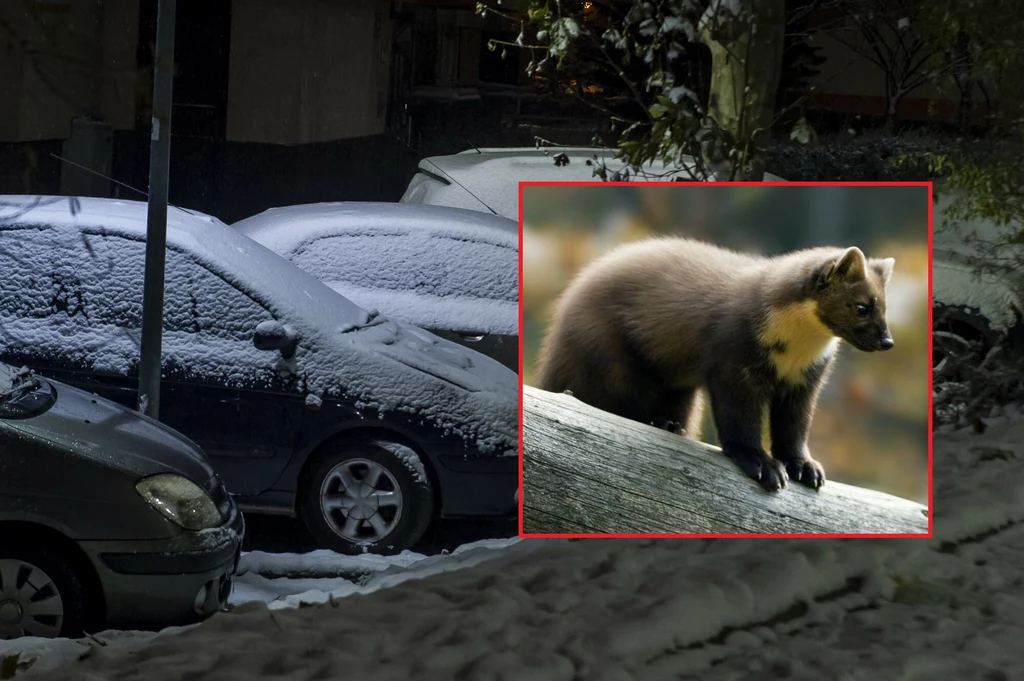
[746, 64]
[893, 94]
[589, 472]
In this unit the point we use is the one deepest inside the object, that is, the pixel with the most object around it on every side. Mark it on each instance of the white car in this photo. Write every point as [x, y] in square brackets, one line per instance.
[487, 180]
[968, 306]
[451, 271]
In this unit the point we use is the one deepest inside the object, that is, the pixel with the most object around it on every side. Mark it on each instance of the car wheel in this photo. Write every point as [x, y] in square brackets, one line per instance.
[371, 496]
[41, 594]
[957, 329]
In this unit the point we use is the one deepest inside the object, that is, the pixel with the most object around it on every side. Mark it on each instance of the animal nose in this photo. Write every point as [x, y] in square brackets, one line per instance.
[887, 343]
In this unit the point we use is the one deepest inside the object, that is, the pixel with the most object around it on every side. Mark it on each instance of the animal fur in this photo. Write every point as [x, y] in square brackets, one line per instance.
[649, 328]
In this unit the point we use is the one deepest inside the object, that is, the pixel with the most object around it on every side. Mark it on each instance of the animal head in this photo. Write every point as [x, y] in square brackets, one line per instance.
[850, 292]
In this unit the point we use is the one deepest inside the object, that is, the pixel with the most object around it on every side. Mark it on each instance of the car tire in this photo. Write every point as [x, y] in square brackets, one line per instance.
[956, 327]
[367, 496]
[51, 576]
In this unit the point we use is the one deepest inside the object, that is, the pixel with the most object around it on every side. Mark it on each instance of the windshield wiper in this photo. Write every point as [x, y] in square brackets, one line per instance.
[22, 383]
[373, 318]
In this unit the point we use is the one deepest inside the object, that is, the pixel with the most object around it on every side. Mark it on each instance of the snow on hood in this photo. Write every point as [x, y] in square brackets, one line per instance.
[487, 180]
[344, 350]
[432, 266]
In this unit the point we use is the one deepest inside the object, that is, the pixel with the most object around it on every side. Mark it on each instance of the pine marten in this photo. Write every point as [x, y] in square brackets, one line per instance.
[649, 328]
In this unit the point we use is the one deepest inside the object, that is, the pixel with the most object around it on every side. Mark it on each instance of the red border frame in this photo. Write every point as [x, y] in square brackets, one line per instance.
[748, 535]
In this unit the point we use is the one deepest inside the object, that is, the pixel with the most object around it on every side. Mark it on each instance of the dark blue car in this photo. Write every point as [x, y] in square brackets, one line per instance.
[365, 427]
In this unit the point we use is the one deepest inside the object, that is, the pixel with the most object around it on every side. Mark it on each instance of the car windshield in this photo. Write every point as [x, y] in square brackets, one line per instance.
[22, 393]
[390, 257]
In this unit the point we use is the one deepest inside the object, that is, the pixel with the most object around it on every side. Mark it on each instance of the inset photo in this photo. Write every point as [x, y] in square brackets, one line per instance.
[726, 359]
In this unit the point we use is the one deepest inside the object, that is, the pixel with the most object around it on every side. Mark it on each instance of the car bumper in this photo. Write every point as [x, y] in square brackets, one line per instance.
[159, 583]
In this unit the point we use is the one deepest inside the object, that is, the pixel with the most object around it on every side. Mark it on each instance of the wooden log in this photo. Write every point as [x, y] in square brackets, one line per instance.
[589, 472]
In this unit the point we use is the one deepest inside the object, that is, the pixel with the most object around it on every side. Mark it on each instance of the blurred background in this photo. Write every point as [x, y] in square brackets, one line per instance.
[871, 427]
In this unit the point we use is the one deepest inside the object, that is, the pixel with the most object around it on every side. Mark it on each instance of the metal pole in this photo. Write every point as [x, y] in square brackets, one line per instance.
[156, 225]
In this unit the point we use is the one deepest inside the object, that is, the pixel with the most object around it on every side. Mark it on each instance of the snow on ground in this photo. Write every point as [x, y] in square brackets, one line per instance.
[297, 579]
[614, 610]
[280, 580]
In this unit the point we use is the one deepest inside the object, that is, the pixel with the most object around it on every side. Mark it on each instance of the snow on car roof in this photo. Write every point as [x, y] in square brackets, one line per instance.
[247, 265]
[432, 266]
[378, 363]
[320, 219]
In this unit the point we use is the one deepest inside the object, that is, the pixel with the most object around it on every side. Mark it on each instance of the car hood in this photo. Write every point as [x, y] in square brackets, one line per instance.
[460, 314]
[115, 436]
[469, 369]
[458, 390]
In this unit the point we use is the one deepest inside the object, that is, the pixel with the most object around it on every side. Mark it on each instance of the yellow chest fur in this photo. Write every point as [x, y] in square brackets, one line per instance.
[807, 341]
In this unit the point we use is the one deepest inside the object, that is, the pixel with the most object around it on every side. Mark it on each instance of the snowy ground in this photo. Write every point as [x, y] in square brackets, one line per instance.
[278, 580]
[951, 607]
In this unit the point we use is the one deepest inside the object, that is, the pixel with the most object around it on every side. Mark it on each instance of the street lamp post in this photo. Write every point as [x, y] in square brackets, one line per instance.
[156, 224]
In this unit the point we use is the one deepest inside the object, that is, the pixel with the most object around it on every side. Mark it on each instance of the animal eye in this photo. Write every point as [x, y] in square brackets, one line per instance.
[863, 310]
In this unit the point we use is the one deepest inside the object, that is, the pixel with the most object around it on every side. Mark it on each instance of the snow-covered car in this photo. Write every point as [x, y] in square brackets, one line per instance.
[451, 271]
[107, 518]
[365, 427]
[487, 180]
[972, 304]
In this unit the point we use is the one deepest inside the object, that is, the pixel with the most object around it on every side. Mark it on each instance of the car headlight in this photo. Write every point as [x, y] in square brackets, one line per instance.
[179, 500]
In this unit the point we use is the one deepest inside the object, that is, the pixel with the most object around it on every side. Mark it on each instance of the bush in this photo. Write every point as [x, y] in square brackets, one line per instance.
[973, 384]
[870, 157]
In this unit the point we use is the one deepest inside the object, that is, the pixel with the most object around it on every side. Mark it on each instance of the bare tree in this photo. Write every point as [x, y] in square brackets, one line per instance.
[889, 34]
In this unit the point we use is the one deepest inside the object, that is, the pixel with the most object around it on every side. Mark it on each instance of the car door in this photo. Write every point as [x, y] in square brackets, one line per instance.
[74, 312]
[242, 405]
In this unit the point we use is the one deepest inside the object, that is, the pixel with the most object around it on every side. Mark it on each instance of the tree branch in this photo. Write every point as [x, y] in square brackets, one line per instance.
[587, 471]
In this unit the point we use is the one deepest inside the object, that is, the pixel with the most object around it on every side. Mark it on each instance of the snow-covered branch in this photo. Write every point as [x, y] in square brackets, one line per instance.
[587, 471]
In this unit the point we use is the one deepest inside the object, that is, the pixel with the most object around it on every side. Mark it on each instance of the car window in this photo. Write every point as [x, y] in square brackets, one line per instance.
[109, 276]
[80, 299]
[195, 299]
[208, 322]
[35, 292]
[432, 264]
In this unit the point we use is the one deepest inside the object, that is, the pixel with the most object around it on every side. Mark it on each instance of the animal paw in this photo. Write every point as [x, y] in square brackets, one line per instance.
[807, 472]
[670, 426]
[770, 473]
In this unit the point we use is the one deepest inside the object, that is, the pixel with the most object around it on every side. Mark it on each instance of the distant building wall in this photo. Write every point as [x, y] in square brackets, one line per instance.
[65, 59]
[305, 71]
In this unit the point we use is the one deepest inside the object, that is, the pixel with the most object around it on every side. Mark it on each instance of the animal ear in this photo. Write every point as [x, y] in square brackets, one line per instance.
[883, 268]
[850, 266]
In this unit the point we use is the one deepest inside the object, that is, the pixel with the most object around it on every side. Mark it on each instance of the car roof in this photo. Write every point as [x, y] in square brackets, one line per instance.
[248, 265]
[488, 179]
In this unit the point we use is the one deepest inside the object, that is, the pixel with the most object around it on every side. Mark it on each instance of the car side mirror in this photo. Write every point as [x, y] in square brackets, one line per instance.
[273, 335]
